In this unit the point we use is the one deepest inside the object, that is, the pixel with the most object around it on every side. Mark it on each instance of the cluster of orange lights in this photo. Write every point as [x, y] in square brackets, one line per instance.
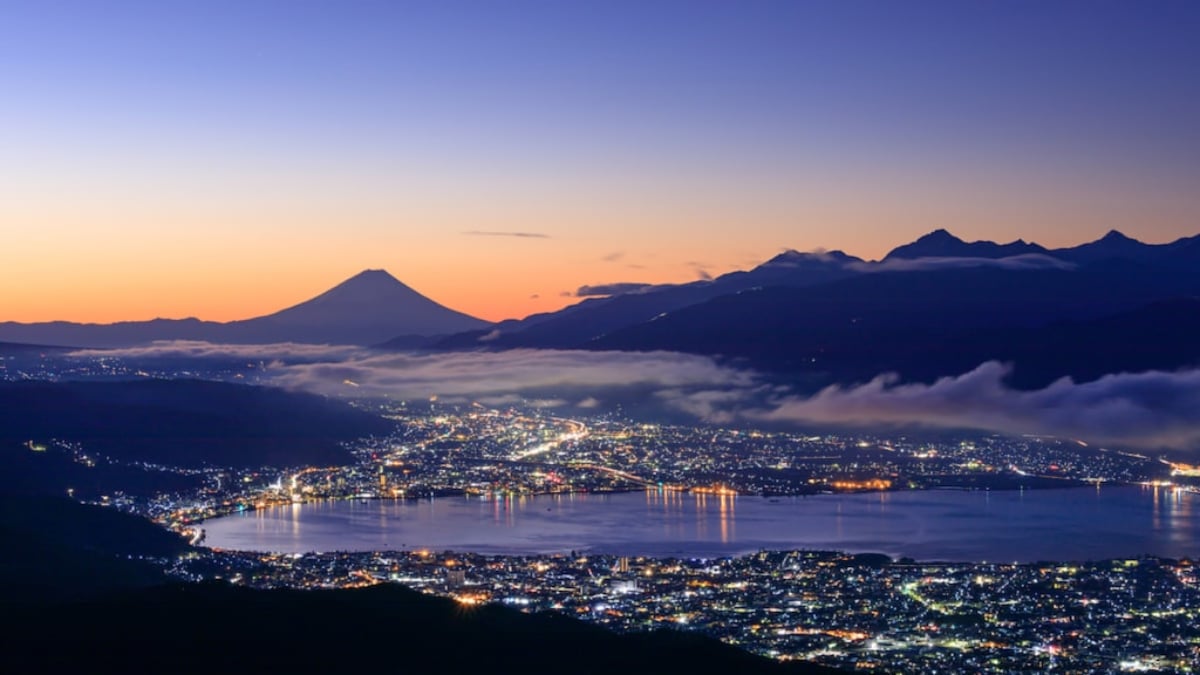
[471, 599]
[874, 484]
[849, 635]
[715, 490]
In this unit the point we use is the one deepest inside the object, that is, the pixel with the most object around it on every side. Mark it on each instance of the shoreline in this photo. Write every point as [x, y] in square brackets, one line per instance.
[802, 528]
[1063, 484]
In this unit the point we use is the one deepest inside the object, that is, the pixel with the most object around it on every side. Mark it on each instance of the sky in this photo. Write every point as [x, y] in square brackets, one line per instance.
[227, 159]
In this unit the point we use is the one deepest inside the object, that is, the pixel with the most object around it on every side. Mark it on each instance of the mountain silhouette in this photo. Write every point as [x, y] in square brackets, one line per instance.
[942, 244]
[370, 307]
[1157, 336]
[936, 306]
[939, 322]
[594, 318]
[1116, 246]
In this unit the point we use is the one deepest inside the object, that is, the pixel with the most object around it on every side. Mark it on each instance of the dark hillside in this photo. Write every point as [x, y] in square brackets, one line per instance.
[215, 627]
[187, 423]
[57, 549]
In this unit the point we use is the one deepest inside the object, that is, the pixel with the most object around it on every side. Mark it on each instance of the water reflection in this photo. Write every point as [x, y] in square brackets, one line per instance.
[1037, 524]
[1172, 512]
[1157, 510]
[727, 517]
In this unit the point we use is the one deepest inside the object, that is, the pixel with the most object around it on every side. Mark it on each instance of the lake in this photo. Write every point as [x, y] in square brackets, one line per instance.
[1063, 524]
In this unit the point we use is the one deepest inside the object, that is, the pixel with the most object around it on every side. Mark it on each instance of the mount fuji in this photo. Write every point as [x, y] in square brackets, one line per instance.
[368, 308]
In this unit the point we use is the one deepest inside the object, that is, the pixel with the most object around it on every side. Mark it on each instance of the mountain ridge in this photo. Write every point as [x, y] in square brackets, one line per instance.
[830, 318]
[925, 325]
[941, 244]
[593, 320]
[373, 308]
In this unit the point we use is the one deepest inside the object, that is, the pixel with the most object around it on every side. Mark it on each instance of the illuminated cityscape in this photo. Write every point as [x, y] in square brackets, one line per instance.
[864, 612]
[861, 612]
[491, 453]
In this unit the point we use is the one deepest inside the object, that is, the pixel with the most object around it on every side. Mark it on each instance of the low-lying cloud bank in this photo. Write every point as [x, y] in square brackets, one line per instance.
[1148, 410]
[618, 288]
[197, 349]
[1145, 410]
[1153, 409]
[512, 373]
[1025, 261]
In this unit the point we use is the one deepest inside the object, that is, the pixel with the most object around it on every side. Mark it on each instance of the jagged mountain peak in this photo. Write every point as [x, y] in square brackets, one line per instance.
[940, 243]
[1116, 235]
[939, 235]
[792, 256]
[1114, 244]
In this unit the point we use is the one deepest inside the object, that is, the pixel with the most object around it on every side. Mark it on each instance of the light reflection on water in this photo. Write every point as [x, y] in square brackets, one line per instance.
[1068, 524]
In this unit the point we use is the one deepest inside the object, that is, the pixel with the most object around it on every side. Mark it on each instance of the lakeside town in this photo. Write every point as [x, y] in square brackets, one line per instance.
[864, 612]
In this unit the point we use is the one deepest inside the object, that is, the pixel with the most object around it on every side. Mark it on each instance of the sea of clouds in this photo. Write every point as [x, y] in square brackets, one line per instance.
[1144, 410]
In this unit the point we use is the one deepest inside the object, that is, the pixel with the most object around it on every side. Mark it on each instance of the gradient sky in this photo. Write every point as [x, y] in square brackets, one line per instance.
[226, 159]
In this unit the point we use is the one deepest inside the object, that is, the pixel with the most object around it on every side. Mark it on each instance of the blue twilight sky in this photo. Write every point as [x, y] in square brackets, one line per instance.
[223, 159]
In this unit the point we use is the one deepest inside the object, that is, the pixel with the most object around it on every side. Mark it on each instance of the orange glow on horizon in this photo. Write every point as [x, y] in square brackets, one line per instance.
[259, 158]
[54, 272]
[145, 297]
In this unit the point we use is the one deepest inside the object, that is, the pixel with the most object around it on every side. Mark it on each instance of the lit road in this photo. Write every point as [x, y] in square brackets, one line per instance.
[576, 430]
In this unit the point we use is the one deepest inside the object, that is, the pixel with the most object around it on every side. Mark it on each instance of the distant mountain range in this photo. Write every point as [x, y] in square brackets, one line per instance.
[1114, 245]
[933, 307]
[369, 308]
[942, 244]
[937, 306]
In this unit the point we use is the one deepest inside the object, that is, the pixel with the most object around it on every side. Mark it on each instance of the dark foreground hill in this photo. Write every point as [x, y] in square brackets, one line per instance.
[79, 597]
[187, 423]
[56, 550]
[215, 627]
[55, 472]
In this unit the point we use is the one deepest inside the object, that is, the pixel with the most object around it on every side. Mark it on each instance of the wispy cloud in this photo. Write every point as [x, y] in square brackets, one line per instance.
[1145, 410]
[614, 256]
[543, 374]
[519, 235]
[194, 349]
[701, 270]
[611, 289]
